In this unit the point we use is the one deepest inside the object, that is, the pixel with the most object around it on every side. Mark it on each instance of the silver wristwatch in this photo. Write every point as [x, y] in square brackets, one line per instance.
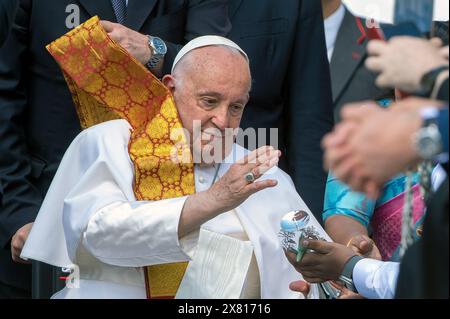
[159, 50]
[428, 140]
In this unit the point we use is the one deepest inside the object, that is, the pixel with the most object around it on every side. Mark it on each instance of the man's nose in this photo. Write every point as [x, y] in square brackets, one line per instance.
[221, 118]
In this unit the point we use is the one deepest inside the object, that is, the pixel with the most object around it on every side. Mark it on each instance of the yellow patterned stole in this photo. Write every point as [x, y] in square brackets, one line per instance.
[108, 83]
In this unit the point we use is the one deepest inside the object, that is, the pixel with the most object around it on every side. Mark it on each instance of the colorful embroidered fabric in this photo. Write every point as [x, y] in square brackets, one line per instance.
[108, 83]
[384, 215]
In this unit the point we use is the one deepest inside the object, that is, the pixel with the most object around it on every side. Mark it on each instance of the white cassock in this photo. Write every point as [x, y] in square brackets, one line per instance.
[90, 218]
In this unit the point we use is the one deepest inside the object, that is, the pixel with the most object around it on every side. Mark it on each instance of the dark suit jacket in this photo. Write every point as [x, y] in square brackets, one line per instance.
[424, 271]
[7, 10]
[350, 79]
[291, 85]
[37, 116]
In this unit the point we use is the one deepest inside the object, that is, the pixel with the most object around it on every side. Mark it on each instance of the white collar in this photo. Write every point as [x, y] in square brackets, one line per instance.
[332, 25]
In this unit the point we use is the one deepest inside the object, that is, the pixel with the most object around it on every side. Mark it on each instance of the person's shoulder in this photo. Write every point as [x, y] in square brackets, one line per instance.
[112, 131]
[109, 127]
[310, 8]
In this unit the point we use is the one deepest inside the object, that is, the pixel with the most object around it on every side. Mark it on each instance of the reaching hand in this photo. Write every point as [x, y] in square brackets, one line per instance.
[134, 42]
[325, 263]
[403, 61]
[230, 191]
[372, 144]
[233, 189]
[18, 241]
[364, 246]
[301, 286]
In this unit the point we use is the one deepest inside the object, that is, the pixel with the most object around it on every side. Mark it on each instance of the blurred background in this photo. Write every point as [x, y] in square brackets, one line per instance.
[383, 10]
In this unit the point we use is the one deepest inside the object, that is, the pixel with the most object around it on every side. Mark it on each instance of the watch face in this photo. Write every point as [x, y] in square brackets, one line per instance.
[160, 46]
[429, 144]
[426, 143]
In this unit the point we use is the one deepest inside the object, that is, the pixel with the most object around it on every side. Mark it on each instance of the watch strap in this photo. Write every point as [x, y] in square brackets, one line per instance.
[347, 273]
[153, 62]
[350, 265]
[429, 79]
[156, 58]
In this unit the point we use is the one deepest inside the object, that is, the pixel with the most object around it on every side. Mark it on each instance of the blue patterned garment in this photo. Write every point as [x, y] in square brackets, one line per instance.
[341, 200]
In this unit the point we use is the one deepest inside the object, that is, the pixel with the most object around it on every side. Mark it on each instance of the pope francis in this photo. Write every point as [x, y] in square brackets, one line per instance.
[133, 224]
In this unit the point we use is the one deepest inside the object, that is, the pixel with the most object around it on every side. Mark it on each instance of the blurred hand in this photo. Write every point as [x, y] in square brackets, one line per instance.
[324, 264]
[345, 293]
[444, 52]
[403, 61]
[18, 241]
[301, 286]
[134, 42]
[364, 246]
[372, 144]
[304, 287]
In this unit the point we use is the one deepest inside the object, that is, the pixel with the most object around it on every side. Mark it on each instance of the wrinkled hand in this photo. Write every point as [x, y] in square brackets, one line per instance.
[372, 144]
[232, 189]
[18, 241]
[134, 42]
[403, 61]
[364, 246]
[325, 263]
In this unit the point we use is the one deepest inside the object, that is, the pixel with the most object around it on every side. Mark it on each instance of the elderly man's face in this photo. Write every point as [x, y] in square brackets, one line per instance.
[211, 86]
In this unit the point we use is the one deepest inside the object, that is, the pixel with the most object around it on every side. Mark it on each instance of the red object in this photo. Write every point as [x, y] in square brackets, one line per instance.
[371, 33]
[399, 95]
[362, 30]
[375, 34]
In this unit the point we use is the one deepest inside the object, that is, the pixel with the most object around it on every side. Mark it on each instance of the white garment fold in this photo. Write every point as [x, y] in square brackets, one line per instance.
[219, 269]
[119, 234]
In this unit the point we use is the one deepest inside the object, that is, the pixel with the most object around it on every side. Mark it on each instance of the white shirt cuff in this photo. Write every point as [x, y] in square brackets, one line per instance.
[375, 279]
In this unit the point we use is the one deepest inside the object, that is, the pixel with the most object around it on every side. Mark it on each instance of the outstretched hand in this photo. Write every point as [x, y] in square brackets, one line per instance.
[325, 263]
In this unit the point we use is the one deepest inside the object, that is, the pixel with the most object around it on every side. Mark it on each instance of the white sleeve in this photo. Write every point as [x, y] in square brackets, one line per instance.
[138, 234]
[375, 279]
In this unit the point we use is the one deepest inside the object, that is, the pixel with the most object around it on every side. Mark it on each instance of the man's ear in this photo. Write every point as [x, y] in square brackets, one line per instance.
[169, 81]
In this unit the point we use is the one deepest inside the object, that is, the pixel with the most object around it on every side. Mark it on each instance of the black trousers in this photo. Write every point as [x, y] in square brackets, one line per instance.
[46, 280]
[9, 292]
